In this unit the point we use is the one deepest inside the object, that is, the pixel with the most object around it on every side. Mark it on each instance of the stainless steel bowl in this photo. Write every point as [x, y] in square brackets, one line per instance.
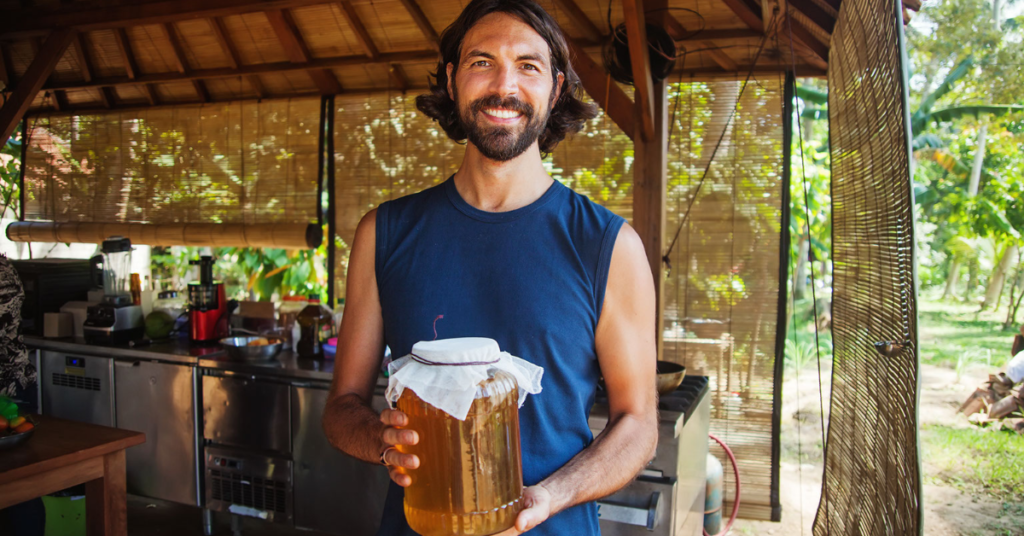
[9, 441]
[238, 348]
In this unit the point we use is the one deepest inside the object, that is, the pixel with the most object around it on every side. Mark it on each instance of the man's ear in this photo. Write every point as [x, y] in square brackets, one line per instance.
[448, 73]
[558, 86]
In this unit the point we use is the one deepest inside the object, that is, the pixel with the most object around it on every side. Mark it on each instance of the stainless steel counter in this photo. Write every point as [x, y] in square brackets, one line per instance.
[286, 365]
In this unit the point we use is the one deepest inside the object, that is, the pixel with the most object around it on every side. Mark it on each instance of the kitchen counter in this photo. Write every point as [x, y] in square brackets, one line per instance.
[287, 365]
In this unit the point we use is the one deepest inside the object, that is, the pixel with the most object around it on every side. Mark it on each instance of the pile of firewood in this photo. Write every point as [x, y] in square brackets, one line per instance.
[997, 402]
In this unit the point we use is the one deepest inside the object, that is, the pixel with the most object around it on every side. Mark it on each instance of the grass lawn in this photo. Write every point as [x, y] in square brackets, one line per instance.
[955, 334]
[976, 461]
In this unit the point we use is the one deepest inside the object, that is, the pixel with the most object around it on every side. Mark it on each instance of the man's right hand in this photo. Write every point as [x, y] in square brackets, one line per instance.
[393, 435]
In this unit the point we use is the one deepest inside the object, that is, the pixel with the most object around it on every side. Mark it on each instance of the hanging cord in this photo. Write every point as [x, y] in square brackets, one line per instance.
[810, 265]
[666, 257]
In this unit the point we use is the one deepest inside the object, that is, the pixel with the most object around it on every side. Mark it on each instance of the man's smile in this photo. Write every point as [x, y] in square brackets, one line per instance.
[503, 114]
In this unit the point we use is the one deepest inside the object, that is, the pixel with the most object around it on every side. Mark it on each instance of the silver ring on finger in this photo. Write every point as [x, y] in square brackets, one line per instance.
[383, 456]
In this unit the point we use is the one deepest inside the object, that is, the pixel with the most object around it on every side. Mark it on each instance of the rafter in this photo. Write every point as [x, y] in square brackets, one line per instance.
[636, 33]
[808, 46]
[38, 71]
[105, 14]
[181, 61]
[358, 28]
[127, 56]
[231, 52]
[423, 23]
[397, 76]
[84, 58]
[580, 20]
[151, 95]
[108, 97]
[720, 57]
[606, 93]
[815, 13]
[295, 48]
[746, 13]
[385, 58]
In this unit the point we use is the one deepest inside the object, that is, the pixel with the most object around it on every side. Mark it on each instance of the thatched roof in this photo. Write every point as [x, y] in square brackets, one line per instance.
[130, 53]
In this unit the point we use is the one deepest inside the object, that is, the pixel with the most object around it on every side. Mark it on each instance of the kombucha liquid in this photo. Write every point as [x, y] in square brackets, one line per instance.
[470, 478]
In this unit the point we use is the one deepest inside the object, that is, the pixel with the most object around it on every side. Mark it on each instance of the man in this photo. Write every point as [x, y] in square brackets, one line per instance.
[504, 252]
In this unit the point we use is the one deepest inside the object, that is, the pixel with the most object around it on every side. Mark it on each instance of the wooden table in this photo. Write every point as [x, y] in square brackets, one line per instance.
[65, 453]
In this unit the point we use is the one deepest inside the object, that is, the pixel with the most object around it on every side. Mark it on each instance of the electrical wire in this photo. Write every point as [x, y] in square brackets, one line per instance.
[764, 39]
[736, 474]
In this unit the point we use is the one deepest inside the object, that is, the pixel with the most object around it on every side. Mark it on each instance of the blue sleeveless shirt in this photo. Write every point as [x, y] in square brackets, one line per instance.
[532, 279]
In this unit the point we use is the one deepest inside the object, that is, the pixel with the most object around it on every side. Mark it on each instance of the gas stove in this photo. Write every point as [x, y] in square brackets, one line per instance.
[667, 499]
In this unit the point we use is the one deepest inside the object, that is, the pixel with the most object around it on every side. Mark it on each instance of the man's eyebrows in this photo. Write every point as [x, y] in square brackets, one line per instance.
[477, 53]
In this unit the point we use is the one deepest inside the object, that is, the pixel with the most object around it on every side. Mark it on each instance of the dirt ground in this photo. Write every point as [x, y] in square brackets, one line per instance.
[948, 511]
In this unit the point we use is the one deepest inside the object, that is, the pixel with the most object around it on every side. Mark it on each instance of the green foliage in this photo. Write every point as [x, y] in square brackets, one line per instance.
[10, 173]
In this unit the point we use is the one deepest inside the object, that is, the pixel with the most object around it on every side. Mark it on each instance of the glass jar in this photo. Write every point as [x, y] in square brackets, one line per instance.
[316, 326]
[470, 478]
[289, 309]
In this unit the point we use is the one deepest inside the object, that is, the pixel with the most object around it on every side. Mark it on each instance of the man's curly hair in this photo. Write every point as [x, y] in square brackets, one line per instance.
[567, 114]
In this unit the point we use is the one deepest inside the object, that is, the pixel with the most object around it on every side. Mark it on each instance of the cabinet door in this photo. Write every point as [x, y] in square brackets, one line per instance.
[157, 399]
[77, 388]
[240, 411]
[334, 492]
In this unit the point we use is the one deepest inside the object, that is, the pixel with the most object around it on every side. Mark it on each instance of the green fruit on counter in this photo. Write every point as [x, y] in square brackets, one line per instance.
[159, 325]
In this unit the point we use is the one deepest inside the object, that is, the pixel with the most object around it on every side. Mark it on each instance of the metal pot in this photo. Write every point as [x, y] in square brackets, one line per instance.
[238, 348]
[669, 376]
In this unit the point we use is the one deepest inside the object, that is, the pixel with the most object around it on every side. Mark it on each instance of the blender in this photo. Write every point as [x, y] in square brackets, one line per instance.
[115, 320]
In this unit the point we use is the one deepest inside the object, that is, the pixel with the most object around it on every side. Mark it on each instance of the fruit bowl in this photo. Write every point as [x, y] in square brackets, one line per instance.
[10, 439]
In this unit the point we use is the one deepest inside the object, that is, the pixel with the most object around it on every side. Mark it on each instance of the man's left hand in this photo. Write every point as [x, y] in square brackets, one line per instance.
[536, 509]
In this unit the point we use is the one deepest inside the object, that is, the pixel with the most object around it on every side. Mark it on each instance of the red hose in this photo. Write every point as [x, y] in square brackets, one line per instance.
[736, 503]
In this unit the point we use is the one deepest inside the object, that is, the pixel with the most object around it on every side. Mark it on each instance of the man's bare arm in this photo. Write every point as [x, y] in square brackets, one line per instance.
[349, 422]
[627, 351]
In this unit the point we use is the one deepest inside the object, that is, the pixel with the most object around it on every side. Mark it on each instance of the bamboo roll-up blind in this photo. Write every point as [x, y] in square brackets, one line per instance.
[242, 162]
[721, 293]
[872, 480]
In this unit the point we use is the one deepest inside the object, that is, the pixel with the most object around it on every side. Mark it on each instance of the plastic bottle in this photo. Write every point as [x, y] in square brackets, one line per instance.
[316, 325]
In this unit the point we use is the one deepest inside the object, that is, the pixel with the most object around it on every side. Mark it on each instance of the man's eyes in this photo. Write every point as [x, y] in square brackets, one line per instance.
[486, 63]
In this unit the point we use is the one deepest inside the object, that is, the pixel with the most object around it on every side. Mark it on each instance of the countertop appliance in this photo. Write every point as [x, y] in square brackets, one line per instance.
[115, 320]
[207, 304]
[49, 284]
[667, 499]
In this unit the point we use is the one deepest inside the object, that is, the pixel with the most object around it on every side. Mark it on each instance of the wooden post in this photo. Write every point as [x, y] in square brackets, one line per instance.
[636, 32]
[650, 181]
[38, 71]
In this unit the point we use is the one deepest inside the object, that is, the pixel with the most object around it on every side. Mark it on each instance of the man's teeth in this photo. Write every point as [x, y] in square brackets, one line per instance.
[503, 114]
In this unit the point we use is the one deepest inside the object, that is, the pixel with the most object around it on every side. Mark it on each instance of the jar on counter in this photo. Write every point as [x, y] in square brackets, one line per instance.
[289, 309]
[316, 326]
[462, 396]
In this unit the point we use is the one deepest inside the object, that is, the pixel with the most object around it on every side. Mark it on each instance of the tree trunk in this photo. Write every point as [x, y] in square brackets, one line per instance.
[979, 158]
[972, 279]
[953, 276]
[800, 282]
[1015, 299]
[996, 283]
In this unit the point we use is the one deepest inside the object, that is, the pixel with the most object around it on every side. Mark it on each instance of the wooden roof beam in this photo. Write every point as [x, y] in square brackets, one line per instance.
[636, 32]
[416, 56]
[398, 77]
[606, 93]
[580, 20]
[105, 14]
[423, 23]
[352, 18]
[746, 13]
[82, 55]
[181, 62]
[5, 77]
[721, 35]
[231, 52]
[131, 68]
[108, 97]
[815, 13]
[38, 71]
[806, 45]
[720, 57]
[295, 48]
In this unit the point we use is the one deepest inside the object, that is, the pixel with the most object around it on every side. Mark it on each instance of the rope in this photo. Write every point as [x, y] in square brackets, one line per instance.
[666, 257]
[424, 361]
[810, 266]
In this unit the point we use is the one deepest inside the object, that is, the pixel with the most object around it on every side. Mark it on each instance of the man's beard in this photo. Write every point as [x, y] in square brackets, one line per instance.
[497, 142]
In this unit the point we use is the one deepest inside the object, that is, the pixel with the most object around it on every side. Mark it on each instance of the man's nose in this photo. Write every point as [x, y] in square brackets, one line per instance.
[505, 82]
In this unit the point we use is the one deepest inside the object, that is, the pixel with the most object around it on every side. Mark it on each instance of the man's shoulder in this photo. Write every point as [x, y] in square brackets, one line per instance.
[587, 207]
[413, 202]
